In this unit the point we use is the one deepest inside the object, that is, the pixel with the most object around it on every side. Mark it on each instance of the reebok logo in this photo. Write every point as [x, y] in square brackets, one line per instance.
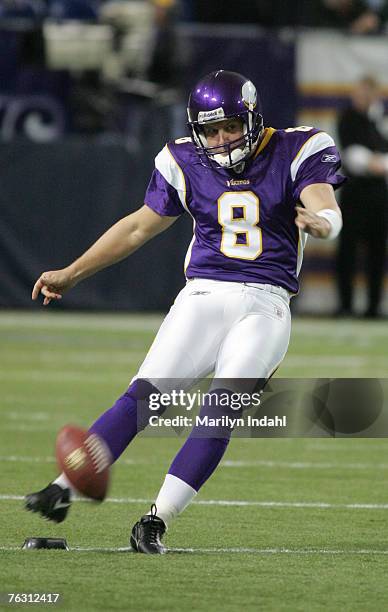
[279, 312]
[328, 158]
[200, 293]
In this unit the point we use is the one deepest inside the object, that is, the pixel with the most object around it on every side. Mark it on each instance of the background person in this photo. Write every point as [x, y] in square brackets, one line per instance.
[364, 198]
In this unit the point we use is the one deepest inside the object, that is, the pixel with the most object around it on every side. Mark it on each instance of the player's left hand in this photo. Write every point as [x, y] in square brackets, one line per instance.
[311, 223]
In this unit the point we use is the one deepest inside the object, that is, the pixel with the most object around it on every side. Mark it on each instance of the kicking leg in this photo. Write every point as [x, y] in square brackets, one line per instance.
[253, 348]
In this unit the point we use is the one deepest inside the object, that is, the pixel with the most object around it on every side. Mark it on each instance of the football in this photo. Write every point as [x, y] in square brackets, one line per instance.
[85, 459]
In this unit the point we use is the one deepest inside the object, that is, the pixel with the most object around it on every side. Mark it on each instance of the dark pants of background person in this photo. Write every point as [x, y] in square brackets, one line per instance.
[365, 214]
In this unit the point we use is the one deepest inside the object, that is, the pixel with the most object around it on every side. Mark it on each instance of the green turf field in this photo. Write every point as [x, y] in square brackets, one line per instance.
[290, 524]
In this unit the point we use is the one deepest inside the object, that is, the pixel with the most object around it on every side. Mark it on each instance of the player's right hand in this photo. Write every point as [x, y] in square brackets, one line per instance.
[53, 285]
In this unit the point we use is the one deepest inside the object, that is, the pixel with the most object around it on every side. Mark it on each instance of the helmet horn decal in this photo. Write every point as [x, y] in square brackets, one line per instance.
[249, 95]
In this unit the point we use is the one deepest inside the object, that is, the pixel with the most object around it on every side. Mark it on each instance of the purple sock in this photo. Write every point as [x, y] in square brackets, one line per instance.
[203, 449]
[197, 460]
[129, 415]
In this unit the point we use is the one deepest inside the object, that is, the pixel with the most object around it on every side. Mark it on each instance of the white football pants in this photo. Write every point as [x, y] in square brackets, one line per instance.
[237, 330]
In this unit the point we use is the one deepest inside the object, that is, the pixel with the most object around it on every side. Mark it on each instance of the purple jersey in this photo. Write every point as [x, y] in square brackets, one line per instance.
[244, 224]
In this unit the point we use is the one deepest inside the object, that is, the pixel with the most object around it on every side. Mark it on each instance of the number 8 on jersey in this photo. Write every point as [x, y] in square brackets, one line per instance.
[238, 215]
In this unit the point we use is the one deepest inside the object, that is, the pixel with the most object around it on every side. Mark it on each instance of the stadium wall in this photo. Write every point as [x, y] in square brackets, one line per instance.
[55, 200]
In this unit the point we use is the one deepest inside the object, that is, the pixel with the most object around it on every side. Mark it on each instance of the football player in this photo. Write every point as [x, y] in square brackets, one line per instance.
[254, 194]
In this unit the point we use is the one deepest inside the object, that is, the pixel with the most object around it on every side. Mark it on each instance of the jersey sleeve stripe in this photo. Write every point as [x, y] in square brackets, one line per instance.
[313, 145]
[168, 167]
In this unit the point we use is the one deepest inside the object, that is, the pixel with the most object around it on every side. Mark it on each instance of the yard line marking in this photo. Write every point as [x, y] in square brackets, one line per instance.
[276, 504]
[229, 502]
[30, 428]
[350, 361]
[150, 322]
[11, 497]
[304, 465]
[102, 549]
[105, 322]
[57, 376]
[82, 548]
[294, 465]
[237, 550]
[14, 415]
[328, 444]
[345, 330]
[277, 551]
[21, 459]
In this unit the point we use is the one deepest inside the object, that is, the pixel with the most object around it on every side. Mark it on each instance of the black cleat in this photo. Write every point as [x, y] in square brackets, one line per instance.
[147, 533]
[53, 502]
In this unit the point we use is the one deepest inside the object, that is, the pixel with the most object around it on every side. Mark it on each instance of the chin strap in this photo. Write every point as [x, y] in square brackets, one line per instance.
[235, 156]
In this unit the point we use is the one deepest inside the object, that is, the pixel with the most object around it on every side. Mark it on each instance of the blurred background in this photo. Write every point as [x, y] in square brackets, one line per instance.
[90, 90]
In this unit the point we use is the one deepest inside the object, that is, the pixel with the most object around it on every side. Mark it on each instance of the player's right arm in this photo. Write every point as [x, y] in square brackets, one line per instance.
[122, 239]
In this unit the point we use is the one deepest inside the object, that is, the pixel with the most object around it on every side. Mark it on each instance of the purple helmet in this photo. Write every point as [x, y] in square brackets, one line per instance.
[219, 96]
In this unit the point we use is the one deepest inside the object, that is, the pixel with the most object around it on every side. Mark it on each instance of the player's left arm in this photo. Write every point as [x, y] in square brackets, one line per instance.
[321, 216]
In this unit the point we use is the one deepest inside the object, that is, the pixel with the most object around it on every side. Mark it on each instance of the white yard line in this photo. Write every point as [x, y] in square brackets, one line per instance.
[339, 329]
[14, 415]
[276, 504]
[227, 463]
[29, 427]
[84, 357]
[292, 465]
[231, 502]
[60, 376]
[357, 445]
[282, 551]
[149, 322]
[21, 459]
[350, 361]
[101, 322]
[236, 550]
[305, 465]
